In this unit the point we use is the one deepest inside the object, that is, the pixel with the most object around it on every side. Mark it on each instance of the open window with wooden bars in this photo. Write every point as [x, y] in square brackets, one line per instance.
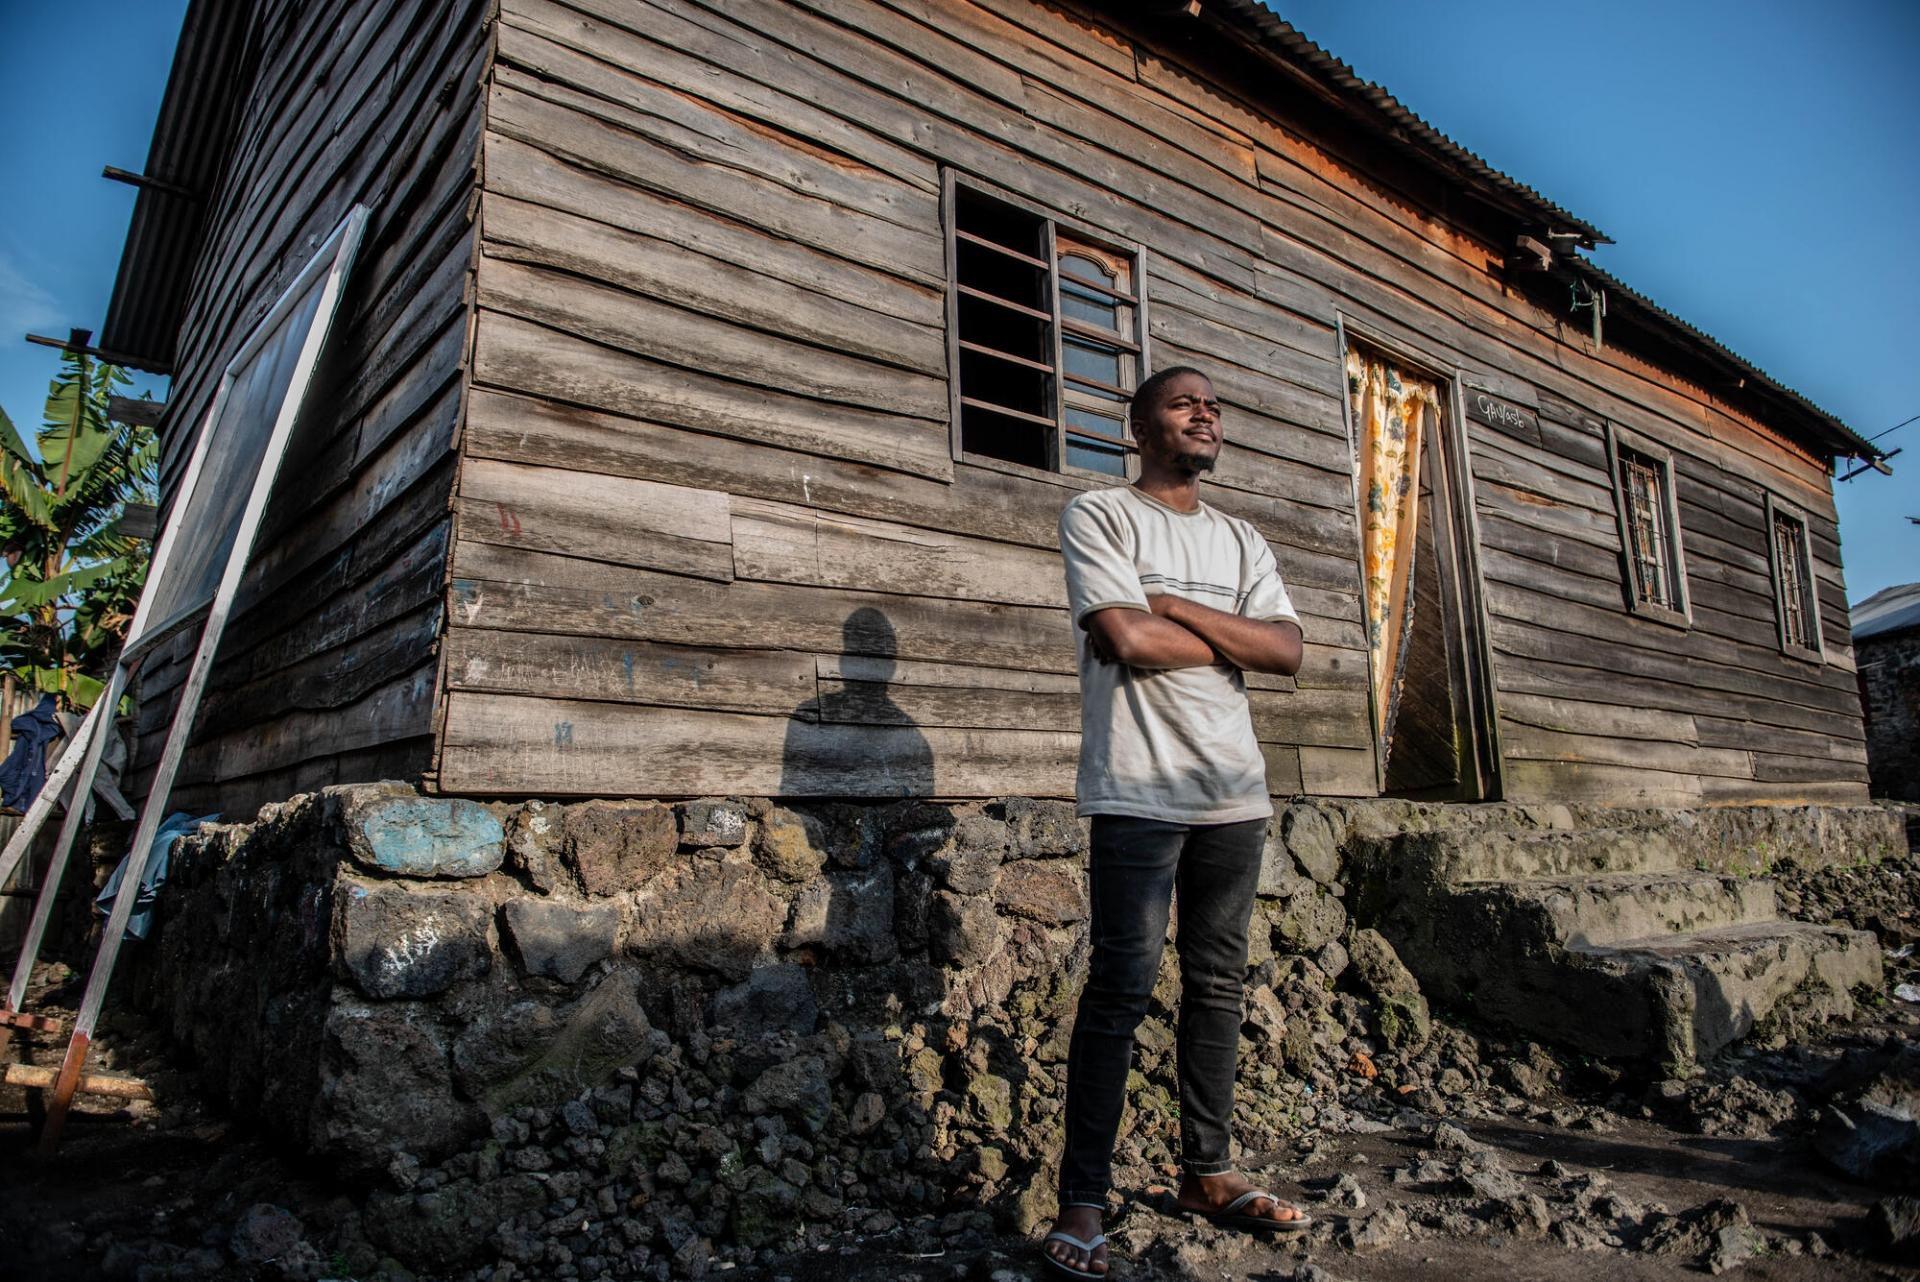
[1046, 333]
[1795, 596]
[1653, 563]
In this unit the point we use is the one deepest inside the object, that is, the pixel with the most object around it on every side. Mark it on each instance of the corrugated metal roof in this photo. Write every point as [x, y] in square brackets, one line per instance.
[191, 141]
[1373, 105]
[1888, 610]
[196, 131]
[1840, 439]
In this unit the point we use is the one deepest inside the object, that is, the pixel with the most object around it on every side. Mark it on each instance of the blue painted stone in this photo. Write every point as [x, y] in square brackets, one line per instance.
[414, 836]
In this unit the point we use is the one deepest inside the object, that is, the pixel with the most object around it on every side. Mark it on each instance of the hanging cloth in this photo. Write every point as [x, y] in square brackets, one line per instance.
[1392, 415]
[25, 770]
[159, 856]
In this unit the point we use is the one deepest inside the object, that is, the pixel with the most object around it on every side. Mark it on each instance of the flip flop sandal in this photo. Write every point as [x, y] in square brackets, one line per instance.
[1233, 1215]
[1060, 1268]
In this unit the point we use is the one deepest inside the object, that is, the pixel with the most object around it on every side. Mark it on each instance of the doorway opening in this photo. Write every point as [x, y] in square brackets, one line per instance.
[1432, 713]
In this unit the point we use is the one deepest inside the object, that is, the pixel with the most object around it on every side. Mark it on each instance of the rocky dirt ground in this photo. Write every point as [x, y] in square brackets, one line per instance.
[1485, 1159]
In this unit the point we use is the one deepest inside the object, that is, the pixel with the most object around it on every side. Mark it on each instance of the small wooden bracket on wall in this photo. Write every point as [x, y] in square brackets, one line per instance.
[80, 342]
[1587, 298]
[127, 409]
[149, 183]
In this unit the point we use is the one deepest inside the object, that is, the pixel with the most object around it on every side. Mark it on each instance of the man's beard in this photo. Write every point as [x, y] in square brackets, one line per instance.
[1196, 464]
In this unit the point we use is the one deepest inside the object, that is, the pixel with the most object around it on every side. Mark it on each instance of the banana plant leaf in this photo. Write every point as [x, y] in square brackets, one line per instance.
[32, 594]
[20, 476]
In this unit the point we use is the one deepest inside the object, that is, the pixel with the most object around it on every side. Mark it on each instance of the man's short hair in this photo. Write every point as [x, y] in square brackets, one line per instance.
[1147, 394]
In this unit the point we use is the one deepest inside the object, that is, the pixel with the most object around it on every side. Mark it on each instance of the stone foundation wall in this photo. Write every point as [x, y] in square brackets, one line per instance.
[378, 976]
[820, 1012]
[372, 973]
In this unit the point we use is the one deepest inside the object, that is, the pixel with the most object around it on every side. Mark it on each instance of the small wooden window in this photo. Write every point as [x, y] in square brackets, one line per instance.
[1046, 337]
[1795, 595]
[1652, 561]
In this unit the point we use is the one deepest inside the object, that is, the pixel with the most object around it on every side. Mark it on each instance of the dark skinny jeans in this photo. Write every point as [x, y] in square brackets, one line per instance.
[1137, 865]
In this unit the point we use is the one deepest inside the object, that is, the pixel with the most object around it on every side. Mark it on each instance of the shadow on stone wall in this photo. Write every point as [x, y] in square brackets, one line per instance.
[734, 1025]
[725, 1020]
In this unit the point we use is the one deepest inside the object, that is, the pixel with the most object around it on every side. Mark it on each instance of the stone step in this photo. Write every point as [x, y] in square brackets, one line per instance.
[1704, 990]
[1670, 1001]
[1607, 908]
[1443, 857]
[1598, 939]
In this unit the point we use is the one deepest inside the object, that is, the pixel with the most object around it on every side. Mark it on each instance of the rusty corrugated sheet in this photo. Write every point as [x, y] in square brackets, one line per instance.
[1373, 106]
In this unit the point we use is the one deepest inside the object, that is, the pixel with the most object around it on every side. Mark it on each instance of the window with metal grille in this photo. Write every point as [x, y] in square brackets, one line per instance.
[1046, 334]
[1793, 586]
[1649, 515]
[1647, 528]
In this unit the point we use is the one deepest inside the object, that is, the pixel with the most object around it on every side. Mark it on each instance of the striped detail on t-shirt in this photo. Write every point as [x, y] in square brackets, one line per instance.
[1150, 580]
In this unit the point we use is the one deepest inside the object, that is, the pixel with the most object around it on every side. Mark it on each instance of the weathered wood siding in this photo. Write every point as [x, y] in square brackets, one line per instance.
[327, 669]
[709, 423]
[1600, 705]
[709, 536]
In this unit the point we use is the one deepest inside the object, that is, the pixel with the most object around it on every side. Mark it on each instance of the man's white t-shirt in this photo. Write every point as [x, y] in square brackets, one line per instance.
[1174, 745]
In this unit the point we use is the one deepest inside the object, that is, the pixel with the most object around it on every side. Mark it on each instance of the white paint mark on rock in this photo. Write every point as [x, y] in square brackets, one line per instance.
[411, 948]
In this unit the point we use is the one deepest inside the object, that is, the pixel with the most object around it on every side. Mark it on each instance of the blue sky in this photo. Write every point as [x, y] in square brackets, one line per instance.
[80, 86]
[1756, 163]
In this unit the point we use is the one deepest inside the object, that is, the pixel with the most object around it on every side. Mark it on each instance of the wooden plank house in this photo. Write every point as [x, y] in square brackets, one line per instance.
[714, 373]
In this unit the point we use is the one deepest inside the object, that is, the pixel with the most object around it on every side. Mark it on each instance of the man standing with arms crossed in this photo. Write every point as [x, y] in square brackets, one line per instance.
[1172, 602]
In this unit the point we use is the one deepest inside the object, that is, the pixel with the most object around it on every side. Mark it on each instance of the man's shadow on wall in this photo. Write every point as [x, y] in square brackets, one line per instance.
[861, 765]
[852, 739]
[856, 762]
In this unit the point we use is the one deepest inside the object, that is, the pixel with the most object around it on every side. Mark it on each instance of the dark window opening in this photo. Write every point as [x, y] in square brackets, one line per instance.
[999, 277]
[1010, 331]
[999, 435]
[1048, 339]
[995, 220]
[999, 381]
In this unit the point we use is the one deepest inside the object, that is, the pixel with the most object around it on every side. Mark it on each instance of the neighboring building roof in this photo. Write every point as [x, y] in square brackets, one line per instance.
[195, 132]
[1888, 610]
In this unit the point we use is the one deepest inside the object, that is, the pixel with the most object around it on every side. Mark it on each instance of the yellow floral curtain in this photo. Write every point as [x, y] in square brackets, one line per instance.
[1393, 413]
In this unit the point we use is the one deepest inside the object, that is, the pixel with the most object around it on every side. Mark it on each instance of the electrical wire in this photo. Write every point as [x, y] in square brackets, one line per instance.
[1884, 457]
[1896, 427]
